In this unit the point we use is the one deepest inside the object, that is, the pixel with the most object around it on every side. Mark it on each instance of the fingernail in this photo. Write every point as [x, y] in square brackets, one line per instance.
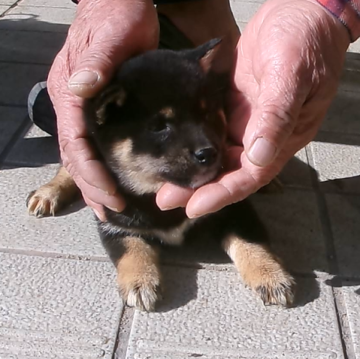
[262, 152]
[84, 78]
[98, 215]
[168, 208]
[115, 209]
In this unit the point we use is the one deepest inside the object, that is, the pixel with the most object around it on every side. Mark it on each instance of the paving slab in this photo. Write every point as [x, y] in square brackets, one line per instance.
[33, 18]
[10, 120]
[292, 220]
[350, 78]
[337, 162]
[354, 47]
[351, 293]
[30, 46]
[344, 113]
[17, 80]
[3, 8]
[49, 4]
[53, 308]
[73, 232]
[297, 172]
[209, 314]
[344, 212]
[7, 2]
[244, 10]
[36, 148]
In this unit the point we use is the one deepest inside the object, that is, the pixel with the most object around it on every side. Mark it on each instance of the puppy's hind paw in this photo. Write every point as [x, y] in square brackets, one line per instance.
[43, 202]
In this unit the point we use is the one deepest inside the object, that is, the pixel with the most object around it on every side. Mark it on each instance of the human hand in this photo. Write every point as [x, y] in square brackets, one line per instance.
[288, 64]
[103, 35]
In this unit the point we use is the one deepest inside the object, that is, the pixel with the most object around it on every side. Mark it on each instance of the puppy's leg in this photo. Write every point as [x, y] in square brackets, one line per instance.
[50, 198]
[260, 270]
[138, 273]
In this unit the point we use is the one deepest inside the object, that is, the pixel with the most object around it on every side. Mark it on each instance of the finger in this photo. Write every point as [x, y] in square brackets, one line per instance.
[107, 50]
[92, 72]
[79, 159]
[171, 196]
[276, 112]
[98, 197]
[230, 188]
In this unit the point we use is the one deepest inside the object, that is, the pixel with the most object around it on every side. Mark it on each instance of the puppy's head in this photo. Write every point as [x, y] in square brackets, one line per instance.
[162, 119]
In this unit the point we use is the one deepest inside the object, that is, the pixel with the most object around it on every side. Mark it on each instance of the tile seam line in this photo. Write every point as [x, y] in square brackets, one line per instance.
[344, 322]
[104, 259]
[45, 7]
[329, 243]
[9, 9]
[54, 255]
[127, 313]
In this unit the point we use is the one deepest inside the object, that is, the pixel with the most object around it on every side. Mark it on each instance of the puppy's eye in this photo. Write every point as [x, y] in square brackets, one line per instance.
[159, 126]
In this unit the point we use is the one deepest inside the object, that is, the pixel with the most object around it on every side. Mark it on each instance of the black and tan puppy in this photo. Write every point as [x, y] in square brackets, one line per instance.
[162, 120]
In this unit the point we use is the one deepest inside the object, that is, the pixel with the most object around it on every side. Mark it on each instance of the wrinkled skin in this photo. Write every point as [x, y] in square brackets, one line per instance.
[98, 41]
[288, 63]
[289, 60]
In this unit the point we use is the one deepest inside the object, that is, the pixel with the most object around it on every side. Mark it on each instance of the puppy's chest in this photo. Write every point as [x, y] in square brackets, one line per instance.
[175, 235]
[144, 218]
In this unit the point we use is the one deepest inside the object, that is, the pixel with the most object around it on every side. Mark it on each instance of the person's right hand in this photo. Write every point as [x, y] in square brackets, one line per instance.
[103, 35]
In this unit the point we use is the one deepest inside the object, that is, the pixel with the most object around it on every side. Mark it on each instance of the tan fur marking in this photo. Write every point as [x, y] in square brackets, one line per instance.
[139, 277]
[108, 97]
[260, 270]
[138, 171]
[50, 198]
[168, 112]
[221, 114]
[203, 104]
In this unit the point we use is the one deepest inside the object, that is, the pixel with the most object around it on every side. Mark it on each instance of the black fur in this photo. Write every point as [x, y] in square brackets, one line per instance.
[151, 82]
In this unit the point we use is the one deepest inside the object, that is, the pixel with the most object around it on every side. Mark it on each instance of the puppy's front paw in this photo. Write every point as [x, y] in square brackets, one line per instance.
[138, 274]
[274, 287]
[140, 291]
[261, 271]
[44, 201]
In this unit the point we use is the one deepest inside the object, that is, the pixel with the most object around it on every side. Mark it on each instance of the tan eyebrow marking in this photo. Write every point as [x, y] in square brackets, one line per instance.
[168, 112]
[203, 104]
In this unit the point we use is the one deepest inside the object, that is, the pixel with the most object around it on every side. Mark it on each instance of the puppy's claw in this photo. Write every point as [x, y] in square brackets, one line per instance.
[43, 202]
[143, 297]
[278, 293]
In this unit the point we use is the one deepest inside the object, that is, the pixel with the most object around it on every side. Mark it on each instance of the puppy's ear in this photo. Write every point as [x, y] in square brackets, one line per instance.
[115, 95]
[208, 55]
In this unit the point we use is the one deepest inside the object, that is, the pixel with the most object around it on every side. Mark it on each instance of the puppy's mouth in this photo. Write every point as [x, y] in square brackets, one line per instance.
[203, 178]
[191, 180]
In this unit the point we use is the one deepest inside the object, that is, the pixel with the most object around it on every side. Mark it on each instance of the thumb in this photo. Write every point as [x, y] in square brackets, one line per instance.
[92, 72]
[271, 124]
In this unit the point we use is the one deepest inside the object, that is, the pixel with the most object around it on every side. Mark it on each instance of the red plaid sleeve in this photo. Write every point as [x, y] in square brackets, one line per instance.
[348, 12]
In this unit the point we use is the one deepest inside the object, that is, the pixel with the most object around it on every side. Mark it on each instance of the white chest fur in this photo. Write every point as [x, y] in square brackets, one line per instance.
[174, 236]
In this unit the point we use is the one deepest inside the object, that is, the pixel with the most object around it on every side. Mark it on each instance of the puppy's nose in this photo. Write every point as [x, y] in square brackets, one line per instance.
[206, 156]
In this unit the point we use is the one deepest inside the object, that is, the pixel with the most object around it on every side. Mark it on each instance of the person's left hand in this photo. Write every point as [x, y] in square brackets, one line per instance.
[288, 65]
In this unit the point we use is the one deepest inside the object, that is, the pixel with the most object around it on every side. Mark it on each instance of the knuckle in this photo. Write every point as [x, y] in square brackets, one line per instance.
[278, 120]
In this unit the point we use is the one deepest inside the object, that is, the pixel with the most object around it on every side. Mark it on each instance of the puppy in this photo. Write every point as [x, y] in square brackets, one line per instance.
[162, 120]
